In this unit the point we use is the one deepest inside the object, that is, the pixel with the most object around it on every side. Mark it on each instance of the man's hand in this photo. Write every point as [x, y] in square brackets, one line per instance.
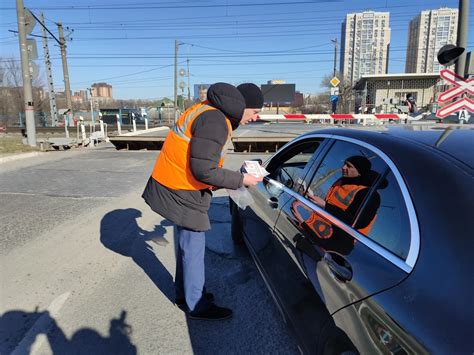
[317, 200]
[251, 180]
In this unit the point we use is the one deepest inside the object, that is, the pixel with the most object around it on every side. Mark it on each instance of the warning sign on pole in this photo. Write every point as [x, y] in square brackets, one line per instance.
[461, 86]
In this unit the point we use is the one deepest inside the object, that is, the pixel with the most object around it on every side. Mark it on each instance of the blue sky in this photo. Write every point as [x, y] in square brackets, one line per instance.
[131, 45]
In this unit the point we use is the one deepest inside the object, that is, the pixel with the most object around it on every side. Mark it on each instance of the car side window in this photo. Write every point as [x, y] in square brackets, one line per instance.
[290, 167]
[344, 179]
[389, 225]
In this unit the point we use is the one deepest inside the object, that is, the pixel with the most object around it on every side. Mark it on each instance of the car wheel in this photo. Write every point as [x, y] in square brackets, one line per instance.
[236, 225]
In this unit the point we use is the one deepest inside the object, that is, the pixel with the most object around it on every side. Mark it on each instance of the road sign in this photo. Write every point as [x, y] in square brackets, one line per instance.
[30, 22]
[461, 85]
[32, 49]
[334, 98]
[335, 81]
[334, 91]
[34, 69]
[456, 106]
[464, 115]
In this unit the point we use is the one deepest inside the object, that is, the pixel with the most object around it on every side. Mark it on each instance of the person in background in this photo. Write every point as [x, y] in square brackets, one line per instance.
[188, 168]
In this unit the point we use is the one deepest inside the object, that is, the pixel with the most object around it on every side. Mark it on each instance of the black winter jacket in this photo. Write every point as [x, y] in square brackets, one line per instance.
[187, 208]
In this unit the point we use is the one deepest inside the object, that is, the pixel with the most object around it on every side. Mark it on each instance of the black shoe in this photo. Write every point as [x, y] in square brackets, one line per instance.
[181, 302]
[212, 313]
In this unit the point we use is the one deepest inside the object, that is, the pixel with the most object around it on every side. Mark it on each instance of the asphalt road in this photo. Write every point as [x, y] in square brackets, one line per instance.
[87, 267]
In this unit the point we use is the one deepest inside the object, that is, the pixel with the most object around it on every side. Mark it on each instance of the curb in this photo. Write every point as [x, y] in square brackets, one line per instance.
[137, 132]
[19, 157]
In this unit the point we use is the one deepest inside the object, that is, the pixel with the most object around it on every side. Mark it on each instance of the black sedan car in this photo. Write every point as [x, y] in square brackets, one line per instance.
[365, 239]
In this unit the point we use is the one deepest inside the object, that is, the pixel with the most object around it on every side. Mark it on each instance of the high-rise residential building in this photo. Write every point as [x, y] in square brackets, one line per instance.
[102, 91]
[365, 41]
[428, 32]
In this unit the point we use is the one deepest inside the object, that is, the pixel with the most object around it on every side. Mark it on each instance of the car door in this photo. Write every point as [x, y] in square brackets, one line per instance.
[277, 263]
[343, 264]
[286, 168]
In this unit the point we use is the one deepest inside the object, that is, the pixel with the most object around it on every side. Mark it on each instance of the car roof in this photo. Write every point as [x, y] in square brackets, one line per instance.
[456, 142]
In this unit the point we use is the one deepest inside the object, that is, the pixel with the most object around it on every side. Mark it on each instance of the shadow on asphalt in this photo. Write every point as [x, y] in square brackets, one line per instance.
[230, 275]
[120, 232]
[19, 330]
[256, 326]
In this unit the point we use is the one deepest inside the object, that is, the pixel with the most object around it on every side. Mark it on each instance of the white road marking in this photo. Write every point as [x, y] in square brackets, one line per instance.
[40, 327]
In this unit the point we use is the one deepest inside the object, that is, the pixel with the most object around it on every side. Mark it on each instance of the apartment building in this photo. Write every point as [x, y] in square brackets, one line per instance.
[365, 41]
[428, 32]
[102, 92]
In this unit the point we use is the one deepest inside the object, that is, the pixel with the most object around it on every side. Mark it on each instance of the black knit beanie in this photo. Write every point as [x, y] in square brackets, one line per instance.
[362, 164]
[252, 94]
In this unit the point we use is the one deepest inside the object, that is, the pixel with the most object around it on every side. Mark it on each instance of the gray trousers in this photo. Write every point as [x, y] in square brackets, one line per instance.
[190, 274]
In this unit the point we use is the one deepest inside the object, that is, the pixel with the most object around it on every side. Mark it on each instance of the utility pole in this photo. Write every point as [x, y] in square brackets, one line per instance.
[463, 22]
[335, 55]
[92, 106]
[67, 87]
[27, 87]
[189, 89]
[176, 46]
[49, 77]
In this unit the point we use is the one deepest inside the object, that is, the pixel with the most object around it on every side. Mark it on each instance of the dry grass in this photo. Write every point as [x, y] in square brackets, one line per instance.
[12, 145]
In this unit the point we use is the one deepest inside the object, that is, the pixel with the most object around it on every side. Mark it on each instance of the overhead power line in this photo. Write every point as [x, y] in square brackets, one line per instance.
[226, 22]
[225, 54]
[43, 25]
[132, 74]
[186, 6]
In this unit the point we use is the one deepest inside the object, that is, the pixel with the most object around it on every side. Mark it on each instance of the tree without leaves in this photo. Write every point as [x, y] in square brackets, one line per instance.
[346, 93]
[316, 104]
[11, 98]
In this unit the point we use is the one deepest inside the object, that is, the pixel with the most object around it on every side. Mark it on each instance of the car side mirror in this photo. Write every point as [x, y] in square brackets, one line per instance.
[286, 179]
[274, 188]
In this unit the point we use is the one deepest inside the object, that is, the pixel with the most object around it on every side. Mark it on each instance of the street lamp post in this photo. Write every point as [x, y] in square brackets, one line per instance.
[386, 100]
[92, 107]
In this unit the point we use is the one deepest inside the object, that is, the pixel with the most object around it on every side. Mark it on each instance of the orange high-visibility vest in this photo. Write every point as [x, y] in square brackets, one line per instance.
[172, 168]
[342, 196]
[320, 226]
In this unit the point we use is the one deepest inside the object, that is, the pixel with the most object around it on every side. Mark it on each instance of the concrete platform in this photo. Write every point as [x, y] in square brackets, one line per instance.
[258, 137]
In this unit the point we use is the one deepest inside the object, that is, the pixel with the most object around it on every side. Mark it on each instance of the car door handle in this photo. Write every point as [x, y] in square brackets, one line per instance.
[338, 266]
[273, 202]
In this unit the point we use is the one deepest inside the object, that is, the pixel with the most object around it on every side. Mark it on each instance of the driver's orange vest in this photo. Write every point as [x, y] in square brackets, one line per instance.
[172, 168]
[342, 196]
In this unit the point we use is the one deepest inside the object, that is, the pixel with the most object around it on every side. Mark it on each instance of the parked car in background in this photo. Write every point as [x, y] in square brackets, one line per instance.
[390, 274]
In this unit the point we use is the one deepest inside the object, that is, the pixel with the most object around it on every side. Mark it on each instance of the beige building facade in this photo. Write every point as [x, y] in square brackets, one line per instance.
[102, 91]
[427, 33]
[381, 93]
[365, 41]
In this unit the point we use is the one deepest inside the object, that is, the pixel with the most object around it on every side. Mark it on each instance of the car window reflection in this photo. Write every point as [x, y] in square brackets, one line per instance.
[343, 200]
[289, 169]
[357, 187]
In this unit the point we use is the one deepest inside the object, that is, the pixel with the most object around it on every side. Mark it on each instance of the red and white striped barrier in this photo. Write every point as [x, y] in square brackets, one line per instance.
[361, 118]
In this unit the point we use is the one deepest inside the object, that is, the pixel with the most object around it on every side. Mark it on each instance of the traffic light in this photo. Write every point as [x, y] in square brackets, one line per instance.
[448, 54]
